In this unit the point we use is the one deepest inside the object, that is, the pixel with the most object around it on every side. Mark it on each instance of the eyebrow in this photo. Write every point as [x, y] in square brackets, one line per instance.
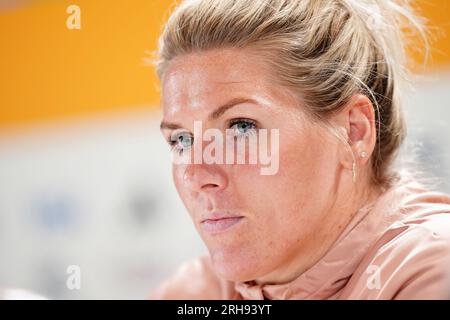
[213, 115]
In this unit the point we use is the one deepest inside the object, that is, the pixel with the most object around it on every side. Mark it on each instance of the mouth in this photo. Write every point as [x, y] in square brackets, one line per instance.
[219, 225]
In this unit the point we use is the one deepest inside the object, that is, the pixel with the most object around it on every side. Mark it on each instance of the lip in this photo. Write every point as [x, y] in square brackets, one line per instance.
[216, 223]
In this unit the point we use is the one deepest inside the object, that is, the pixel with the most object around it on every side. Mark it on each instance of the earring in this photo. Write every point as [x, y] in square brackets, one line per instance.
[362, 154]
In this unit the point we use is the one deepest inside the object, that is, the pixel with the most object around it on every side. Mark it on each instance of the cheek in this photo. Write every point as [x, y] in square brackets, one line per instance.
[300, 192]
[307, 180]
[308, 160]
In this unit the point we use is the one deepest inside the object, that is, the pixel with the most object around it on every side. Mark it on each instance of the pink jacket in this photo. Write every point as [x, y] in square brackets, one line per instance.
[395, 248]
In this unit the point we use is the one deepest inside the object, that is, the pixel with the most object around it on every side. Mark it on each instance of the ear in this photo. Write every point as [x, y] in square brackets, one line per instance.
[357, 119]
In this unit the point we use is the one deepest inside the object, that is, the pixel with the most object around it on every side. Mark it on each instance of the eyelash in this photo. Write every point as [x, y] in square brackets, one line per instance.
[250, 122]
[174, 141]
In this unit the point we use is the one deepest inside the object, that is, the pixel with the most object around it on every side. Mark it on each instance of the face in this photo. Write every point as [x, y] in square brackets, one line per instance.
[254, 225]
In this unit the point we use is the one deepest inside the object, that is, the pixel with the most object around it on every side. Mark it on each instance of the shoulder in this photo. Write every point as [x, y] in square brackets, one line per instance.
[412, 259]
[193, 280]
[422, 231]
[424, 228]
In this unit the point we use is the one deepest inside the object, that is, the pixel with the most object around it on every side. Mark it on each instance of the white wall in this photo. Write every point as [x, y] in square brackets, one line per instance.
[97, 194]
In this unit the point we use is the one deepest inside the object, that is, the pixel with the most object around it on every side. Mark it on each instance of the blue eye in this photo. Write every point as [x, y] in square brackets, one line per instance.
[243, 127]
[181, 141]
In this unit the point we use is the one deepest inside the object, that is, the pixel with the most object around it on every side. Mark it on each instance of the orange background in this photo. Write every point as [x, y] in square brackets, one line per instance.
[49, 72]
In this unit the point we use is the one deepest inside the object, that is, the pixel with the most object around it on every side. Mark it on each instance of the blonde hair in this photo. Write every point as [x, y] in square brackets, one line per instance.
[326, 50]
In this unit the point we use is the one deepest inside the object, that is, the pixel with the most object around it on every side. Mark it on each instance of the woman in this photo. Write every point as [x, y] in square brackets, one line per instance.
[335, 219]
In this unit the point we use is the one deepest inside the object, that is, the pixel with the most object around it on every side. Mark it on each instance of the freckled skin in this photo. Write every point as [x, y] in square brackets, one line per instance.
[290, 218]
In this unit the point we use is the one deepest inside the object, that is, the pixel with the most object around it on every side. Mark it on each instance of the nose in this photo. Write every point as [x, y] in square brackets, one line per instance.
[204, 178]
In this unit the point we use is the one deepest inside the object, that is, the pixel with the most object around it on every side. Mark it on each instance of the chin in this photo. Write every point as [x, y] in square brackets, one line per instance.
[233, 265]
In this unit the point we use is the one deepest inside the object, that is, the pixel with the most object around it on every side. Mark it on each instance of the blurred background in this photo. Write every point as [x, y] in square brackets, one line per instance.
[84, 173]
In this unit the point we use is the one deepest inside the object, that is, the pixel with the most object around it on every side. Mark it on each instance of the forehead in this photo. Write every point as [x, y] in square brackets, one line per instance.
[198, 80]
